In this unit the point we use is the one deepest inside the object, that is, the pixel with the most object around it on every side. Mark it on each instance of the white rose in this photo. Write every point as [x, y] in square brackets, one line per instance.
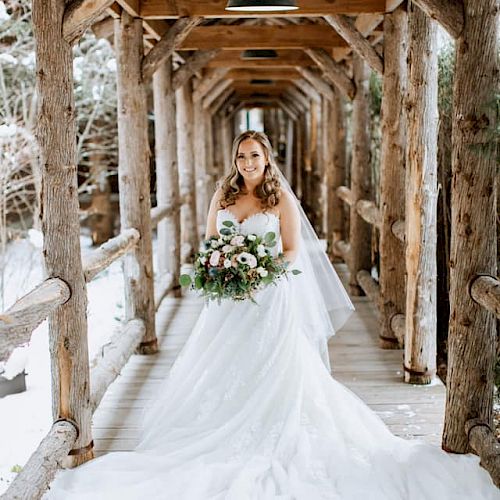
[214, 258]
[203, 260]
[261, 251]
[227, 248]
[227, 263]
[214, 243]
[251, 237]
[238, 240]
[262, 272]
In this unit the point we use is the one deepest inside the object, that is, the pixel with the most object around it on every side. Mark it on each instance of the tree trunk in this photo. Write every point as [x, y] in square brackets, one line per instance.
[187, 176]
[392, 174]
[361, 185]
[200, 166]
[56, 137]
[289, 149]
[472, 336]
[133, 177]
[421, 200]
[167, 174]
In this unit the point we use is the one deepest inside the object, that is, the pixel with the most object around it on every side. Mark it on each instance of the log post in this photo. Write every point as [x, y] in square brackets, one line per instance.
[361, 185]
[421, 200]
[392, 174]
[187, 178]
[472, 335]
[338, 138]
[56, 137]
[289, 148]
[167, 174]
[200, 165]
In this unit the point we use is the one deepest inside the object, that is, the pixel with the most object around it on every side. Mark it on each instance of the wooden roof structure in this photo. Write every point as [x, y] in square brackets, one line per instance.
[187, 55]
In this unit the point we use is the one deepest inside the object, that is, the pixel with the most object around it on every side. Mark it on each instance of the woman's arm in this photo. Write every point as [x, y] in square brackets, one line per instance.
[212, 215]
[290, 226]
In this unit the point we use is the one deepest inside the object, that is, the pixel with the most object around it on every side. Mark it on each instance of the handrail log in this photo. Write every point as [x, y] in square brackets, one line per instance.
[398, 230]
[161, 212]
[19, 321]
[483, 441]
[113, 357]
[398, 326]
[485, 290]
[345, 194]
[35, 477]
[108, 252]
[369, 212]
[163, 286]
[342, 248]
[369, 286]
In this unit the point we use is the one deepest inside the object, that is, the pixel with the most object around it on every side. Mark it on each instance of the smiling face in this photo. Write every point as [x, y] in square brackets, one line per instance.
[251, 160]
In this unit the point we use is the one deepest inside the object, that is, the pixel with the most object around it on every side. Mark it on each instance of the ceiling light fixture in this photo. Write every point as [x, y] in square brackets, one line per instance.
[261, 5]
[259, 54]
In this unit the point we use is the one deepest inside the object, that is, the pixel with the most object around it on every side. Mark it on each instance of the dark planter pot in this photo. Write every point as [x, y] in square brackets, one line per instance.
[13, 386]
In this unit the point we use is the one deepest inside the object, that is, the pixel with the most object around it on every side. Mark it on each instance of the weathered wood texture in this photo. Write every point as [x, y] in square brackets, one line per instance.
[55, 133]
[370, 286]
[338, 131]
[450, 14]
[167, 174]
[361, 183]
[80, 15]
[472, 335]
[345, 27]
[369, 212]
[346, 195]
[421, 199]
[133, 176]
[164, 49]
[317, 82]
[392, 173]
[112, 358]
[108, 252]
[19, 321]
[398, 326]
[333, 71]
[398, 230]
[187, 175]
[34, 479]
[483, 441]
[192, 65]
[485, 290]
[203, 193]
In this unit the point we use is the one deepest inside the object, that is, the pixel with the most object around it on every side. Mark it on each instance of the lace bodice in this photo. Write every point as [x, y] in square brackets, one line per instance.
[259, 223]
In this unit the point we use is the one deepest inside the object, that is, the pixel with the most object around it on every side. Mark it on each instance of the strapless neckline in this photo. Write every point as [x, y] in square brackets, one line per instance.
[249, 217]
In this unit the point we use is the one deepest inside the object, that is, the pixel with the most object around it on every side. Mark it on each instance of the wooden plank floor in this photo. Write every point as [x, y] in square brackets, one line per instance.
[372, 373]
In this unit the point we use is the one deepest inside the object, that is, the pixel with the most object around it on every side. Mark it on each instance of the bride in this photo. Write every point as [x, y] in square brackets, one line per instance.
[249, 410]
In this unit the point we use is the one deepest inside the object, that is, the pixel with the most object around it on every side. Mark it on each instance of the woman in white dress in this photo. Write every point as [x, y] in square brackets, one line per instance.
[250, 411]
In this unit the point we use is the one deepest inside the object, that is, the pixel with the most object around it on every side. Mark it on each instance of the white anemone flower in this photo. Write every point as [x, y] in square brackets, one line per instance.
[248, 259]
[214, 258]
[262, 272]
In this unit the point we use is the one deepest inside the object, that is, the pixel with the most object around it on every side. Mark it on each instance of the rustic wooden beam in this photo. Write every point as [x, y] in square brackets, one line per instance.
[171, 41]
[472, 335]
[448, 13]
[392, 174]
[343, 248]
[164, 286]
[369, 211]
[307, 89]
[361, 182]
[298, 96]
[317, 82]
[262, 37]
[485, 290]
[209, 80]
[421, 199]
[55, 132]
[35, 477]
[398, 230]
[346, 195]
[263, 74]
[398, 328]
[287, 58]
[80, 15]
[97, 260]
[483, 441]
[333, 71]
[167, 174]
[133, 176]
[104, 28]
[345, 27]
[216, 92]
[19, 321]
[219, 101]
[113, 356]
[193, 64]
[159, 9]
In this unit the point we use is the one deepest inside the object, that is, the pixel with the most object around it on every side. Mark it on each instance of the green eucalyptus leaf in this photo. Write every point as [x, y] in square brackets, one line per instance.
[296, 271]
[228, 223]
[185, 280]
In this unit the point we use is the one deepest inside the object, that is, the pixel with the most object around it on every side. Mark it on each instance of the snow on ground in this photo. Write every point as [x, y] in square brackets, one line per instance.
[25, 418]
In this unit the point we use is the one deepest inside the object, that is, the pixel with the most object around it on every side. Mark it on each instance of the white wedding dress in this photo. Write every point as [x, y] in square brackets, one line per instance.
[250, 412]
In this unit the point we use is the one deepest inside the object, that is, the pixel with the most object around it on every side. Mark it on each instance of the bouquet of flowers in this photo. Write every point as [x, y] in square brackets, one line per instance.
[235, 266]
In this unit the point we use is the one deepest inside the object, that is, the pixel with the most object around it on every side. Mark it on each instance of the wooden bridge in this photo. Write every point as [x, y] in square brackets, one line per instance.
[199, 63]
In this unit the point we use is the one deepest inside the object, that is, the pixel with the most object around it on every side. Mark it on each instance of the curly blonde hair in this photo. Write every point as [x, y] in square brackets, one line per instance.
[233, 185]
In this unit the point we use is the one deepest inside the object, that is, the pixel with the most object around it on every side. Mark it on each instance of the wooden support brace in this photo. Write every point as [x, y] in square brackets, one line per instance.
[192, 65]
[485, 290]
[343, 249]
[166, 46]
[345, 27]
[346, 195]
[398, 230]
[317, 82]
[369, 212]
[448, 13]
[369, 286]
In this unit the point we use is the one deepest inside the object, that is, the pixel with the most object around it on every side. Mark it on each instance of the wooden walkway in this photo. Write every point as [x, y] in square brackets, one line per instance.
[372, 373]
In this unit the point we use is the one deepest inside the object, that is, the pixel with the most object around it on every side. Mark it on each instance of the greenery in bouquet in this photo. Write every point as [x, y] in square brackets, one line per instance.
[235, 266]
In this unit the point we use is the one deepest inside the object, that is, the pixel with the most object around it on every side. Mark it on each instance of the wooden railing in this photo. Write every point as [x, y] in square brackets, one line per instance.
[17, 325]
